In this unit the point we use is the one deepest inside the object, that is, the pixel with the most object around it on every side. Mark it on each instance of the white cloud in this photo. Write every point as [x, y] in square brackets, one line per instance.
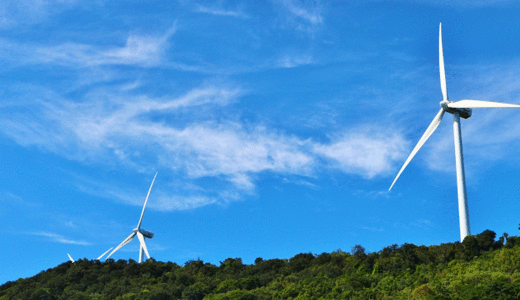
[231, 151]
[368, 153]
[90, 64]
[138, 50]
[100, 119]
[115, 127]
[164, 199]
[373, 228]
[290, 61]
[208, 149]
[458, 3]
[309, 13]
[174, 202]
[221, 12]
[8, 197]
[467, 3]
[15, 12]
[59, 238]
[423, 223]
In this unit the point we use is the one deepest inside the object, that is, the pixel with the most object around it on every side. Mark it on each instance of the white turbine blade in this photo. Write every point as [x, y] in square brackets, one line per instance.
[145, 201]
[478, 104]
[126, 241]
[104, 253]
[70, 257]
[444, 88]
[143, 244]
[433, 125]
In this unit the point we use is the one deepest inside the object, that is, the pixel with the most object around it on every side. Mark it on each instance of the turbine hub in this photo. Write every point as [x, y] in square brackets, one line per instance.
[444, 105]
[463, 112]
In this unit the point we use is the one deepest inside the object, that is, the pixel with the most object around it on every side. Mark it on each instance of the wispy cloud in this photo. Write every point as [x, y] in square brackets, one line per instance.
[368, 153]
[146, 50]
[377, 194]
[14, 12]
[207, 149]
[462, 4]
[372, 228]
[231, 151]
[9, 198]
[164, 198]
[99, 122]
[423, 223]
[291, 61]
[220, 12]
[137, 50]
[134, 131]
[59, 238]
[305, 10]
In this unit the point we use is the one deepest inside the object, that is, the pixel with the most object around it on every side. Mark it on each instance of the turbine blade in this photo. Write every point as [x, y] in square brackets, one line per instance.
[70, 257]
[433, 125]
[126, 241]
[444, 88]
[104, 253]
[145, 201]
[478, 104]
[143, 244]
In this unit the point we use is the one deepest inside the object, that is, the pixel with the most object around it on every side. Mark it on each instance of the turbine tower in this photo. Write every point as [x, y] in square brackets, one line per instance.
[141, 233]
[458, 109]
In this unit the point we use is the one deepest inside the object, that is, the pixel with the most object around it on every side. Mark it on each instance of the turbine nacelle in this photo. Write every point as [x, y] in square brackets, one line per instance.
[463, 112]
[147, 234]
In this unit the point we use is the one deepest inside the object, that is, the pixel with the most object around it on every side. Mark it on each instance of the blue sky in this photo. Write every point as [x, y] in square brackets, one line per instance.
[276, 127]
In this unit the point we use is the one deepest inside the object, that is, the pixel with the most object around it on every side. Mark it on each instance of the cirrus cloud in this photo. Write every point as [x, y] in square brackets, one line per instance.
[133, 131]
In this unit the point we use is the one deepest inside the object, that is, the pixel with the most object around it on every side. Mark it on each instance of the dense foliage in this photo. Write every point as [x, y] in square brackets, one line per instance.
[481, 267]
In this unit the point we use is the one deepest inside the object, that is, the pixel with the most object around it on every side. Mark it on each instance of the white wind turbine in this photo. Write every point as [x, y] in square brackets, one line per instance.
[458, 109]
[141, 233]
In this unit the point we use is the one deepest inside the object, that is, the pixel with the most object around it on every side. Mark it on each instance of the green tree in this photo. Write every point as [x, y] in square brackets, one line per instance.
[196, 291]
[486, 240]
[471, 247]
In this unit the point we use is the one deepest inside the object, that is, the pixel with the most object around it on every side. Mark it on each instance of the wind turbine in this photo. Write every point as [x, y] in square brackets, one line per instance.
[458, 109]
[141, 233]
[72, 260]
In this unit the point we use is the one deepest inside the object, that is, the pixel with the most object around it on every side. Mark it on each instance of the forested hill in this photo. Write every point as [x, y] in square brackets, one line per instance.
[482, 267]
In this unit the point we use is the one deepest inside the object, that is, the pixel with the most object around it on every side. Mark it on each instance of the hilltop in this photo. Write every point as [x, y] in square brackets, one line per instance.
[481, 267]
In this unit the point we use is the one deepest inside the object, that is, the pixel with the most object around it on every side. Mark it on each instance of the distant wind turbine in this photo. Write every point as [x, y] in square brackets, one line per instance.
[141, 233]
[459, 109]
[72, 260]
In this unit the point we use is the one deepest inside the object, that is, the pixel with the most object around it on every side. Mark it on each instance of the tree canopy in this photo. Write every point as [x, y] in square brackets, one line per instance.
[481, 267]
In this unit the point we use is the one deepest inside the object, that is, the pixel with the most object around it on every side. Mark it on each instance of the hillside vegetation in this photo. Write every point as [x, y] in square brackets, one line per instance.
[481, 267]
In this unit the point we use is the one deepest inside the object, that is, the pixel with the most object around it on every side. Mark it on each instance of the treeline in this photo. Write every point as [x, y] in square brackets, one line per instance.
[481, 267]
